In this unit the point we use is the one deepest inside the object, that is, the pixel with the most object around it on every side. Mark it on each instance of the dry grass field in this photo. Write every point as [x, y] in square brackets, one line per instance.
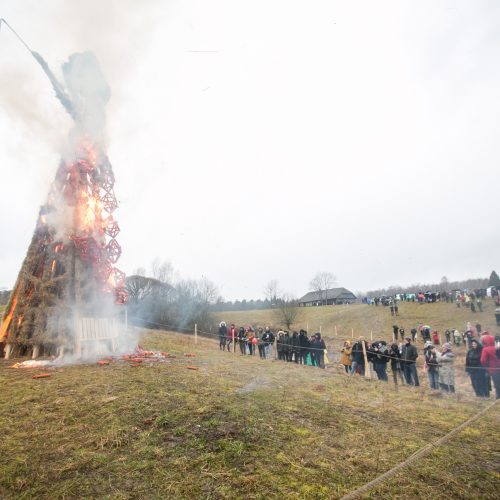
[238, 426]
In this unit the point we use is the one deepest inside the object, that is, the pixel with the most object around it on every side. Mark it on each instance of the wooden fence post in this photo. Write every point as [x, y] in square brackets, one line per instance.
[195, 333]
[365, 357]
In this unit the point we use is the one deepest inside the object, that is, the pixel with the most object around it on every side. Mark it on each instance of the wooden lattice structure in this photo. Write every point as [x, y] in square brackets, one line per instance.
[68, 273]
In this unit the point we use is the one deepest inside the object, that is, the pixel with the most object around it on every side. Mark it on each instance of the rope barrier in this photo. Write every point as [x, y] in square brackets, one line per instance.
[288, 346]
[416, 456]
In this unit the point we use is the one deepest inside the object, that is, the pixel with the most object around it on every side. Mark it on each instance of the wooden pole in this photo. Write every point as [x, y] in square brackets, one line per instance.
[371, 335]
[195, 333]
[365, 357]
[232, 338]
[319, 328]
[352, 333]
[307, 327]
[336, 334]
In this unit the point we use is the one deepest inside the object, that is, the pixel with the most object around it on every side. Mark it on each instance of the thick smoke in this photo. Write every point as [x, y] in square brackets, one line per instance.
[93, 320]
[83, 92]
[116, 31]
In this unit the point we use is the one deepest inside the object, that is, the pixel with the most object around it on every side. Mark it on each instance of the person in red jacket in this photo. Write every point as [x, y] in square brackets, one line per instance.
[490, 361]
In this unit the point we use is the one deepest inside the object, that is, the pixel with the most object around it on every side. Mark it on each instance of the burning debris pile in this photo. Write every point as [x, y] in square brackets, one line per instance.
[68, 287]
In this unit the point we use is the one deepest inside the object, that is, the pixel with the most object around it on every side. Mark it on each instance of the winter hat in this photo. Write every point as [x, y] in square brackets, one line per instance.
[447, 346]
[428, 343]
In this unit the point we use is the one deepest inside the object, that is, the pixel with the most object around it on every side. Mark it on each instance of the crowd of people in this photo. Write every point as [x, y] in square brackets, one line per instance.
[482, 362]
[297, 347]
[452, 335]
[472, 299]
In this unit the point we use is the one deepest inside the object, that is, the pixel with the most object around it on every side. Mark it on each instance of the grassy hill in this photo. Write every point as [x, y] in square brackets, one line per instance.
[365, 318]
[238, 427]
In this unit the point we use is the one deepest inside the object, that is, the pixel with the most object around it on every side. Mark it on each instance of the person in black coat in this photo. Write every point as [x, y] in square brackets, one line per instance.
[408, 361]
[394, 356]
[287, 346]
[380, 357]
[413, 332]
[432, 362]
[305, 347]
[295, 347]
[395, 329]
[268, 339]
[280, 347]
[319, 347]
[358, 360]
[242, 340]
[477, 373]
[222, 336]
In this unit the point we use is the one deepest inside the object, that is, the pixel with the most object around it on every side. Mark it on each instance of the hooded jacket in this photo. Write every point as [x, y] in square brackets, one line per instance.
[346, 351]
[446, 372]
[222, 330]
[489, 355]
[395, 355]
[357, 352]
[432, 360]
[473, 359]
[304, 341]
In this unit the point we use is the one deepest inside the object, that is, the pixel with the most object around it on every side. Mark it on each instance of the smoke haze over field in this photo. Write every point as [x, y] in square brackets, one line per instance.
[271, 140]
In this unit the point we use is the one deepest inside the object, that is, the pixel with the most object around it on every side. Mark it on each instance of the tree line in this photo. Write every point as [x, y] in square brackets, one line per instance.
[159, 299]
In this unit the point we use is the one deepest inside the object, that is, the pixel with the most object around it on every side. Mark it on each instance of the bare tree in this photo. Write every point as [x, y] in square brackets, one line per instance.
[287, 311]
[321, 283]
[162, 271]
[272, 292]
[138, 287]
[207, 291]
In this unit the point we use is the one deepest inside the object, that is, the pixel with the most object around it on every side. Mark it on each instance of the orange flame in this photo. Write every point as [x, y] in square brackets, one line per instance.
[90, 208]
[8, 319]
[53, 266]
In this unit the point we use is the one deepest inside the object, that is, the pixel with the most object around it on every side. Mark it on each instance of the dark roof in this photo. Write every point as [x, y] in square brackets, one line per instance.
[331, 293]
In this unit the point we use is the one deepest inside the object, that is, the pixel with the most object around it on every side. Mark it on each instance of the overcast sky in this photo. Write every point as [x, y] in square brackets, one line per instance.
[258, 140]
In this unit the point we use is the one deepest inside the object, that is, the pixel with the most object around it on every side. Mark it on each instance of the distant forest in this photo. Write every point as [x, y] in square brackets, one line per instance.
[241, 305]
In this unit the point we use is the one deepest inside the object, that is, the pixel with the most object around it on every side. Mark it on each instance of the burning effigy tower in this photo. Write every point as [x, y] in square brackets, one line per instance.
[68, 290]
